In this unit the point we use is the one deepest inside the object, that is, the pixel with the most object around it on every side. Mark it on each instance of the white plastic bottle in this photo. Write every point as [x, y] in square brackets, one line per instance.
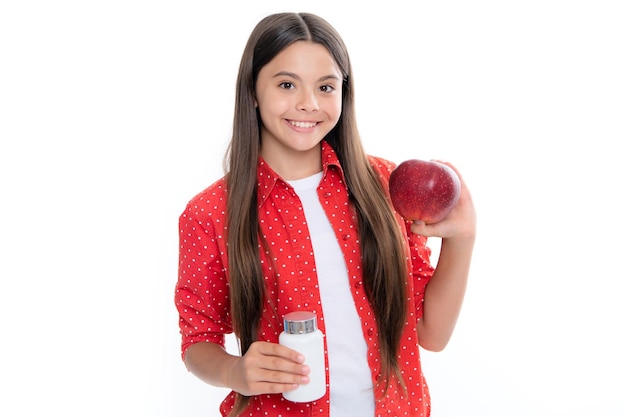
[302, 335]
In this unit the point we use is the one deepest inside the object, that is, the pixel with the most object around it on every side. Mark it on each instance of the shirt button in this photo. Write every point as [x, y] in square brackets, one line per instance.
[345, 237]
[326, 194]
[370, 332]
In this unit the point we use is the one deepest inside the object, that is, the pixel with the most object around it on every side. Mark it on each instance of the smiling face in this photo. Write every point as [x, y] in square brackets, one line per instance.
[298, 94]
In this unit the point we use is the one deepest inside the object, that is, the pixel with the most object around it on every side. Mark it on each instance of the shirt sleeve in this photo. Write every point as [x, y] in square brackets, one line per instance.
[201, 295]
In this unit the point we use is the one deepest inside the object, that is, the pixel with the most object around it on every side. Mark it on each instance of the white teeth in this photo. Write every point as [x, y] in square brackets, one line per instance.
[303, 124]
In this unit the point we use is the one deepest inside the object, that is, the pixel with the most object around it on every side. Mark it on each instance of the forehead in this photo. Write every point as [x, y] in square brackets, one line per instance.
[303, 57]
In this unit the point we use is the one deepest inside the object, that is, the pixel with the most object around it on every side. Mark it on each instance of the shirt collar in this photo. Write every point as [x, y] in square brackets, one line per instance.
[267, 178]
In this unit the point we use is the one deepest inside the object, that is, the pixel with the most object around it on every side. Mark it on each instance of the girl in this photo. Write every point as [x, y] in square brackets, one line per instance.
[302, 220]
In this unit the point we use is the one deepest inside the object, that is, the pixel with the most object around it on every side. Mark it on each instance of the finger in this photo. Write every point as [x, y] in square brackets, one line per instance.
[265, 387]
[273, 357]
[266, 379]
[278, 368]
[420, 228]
[272, 376]
[275, 349]
[269, 388]
[255, 373]
[451, 165]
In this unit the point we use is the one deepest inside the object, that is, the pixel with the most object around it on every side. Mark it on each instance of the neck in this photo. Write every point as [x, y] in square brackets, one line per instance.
[293, 164]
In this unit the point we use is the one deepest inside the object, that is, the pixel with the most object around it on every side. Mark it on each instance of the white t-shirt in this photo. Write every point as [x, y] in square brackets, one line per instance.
[351, 391]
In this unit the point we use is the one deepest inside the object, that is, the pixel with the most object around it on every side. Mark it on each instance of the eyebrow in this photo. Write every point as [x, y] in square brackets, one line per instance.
[297, 77]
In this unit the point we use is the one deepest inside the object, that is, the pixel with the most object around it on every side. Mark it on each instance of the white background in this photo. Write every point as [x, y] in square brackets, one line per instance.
[114, 114]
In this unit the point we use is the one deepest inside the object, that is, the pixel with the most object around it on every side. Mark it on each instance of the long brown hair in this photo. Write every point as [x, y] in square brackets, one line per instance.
[382, 243]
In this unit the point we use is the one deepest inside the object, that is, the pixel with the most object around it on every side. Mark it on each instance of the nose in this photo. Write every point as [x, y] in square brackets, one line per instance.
[307, 101]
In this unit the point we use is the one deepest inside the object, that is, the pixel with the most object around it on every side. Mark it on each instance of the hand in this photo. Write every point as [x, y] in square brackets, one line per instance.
[268, 368]
[459, 223]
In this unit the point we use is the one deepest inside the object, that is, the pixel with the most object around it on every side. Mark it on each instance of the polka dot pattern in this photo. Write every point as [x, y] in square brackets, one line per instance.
[202, 292]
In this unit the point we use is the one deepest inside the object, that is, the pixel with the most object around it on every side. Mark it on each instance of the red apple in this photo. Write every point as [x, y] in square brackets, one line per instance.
[424, 190]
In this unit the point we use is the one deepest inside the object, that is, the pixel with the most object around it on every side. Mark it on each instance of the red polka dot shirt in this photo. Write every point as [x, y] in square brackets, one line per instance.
[202, 297]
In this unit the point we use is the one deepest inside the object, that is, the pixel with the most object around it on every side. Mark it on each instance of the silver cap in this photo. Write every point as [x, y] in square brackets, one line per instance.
[299, 322]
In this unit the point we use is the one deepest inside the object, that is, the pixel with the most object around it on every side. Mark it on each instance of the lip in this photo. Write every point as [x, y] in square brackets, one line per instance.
[302, 125]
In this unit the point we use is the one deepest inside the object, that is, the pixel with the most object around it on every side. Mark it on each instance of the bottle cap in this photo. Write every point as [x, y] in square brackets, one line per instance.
[300, 322]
